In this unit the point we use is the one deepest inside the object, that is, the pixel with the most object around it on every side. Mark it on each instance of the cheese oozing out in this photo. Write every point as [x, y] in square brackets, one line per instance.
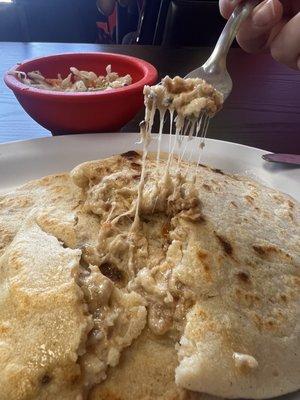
[189, 104]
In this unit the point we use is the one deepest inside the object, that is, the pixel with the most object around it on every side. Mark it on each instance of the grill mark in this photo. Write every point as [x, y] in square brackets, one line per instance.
[259, 250]
[202, 254]
[249, 199]
[225, 244]
[206, 267]
[267, 250]
[218, 171]
[206, 187]
[243, 277]
[131, 155]
[45, 379]
[283, 298]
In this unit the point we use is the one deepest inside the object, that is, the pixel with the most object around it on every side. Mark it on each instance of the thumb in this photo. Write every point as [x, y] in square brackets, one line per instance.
[255, 31]
[227, 6]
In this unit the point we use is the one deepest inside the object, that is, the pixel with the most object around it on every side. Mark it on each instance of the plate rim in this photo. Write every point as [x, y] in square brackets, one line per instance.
[83, 135]
[232, 157]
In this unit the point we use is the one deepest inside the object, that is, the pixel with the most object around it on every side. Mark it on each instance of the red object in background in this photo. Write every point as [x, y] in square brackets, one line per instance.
[106, 29]
[112, 21]
[70, 112]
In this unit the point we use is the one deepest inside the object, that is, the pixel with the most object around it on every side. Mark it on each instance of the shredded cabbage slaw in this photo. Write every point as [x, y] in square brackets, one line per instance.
[76, 81]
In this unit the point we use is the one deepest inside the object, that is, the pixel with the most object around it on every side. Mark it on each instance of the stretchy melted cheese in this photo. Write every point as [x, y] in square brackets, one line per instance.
[192, 102]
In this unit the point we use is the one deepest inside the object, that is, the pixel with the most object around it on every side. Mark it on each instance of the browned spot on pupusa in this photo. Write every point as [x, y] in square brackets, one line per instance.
[45, 379]
[6, 238]
[206, 267]
[207, 271]
[283, 298]
[4, 328]
[269, 250]
[111, 272]
[243, 276]
[136, 176]
[94, 179]
[249, 199]
[290, 204]
[256, 318]
[201, 313]
[107, 206]
[136, 166]
[279, 199]
[218, 171]
[206, 187]
[233, 204]
[203, 165]
[260, 250]
[130, 155]
[202, 254]
[271, 324]
[225, 244]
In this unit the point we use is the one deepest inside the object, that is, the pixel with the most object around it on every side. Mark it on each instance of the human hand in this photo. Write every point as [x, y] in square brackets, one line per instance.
[272, 26]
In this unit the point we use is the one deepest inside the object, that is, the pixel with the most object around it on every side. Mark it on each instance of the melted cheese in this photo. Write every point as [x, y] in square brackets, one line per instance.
[194, 102]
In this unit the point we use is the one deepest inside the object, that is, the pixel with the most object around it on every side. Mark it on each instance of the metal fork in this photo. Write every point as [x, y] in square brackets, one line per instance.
[214, 70]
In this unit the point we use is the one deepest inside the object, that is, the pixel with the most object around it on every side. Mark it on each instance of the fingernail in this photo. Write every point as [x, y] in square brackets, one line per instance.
[264, 13]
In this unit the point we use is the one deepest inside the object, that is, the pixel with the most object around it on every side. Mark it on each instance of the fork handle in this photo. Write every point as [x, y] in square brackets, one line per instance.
[230, 30]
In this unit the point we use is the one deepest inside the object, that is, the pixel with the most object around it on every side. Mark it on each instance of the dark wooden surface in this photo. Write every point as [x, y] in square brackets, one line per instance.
[262, 111]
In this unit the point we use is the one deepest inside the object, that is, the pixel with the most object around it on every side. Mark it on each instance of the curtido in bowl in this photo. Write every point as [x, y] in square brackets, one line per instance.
[80, 111]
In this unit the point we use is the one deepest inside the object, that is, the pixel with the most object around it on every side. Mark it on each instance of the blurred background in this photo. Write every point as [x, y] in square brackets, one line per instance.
[152, 22]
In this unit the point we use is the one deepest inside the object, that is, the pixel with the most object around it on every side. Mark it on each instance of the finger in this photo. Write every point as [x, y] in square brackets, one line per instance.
[285, 47]
[227, 6]
[255, 31]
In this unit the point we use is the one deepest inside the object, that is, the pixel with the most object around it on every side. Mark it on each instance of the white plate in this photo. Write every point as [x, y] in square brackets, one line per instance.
[25, 160]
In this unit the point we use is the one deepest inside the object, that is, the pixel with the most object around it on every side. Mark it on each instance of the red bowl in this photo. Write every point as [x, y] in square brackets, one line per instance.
[69, 112]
